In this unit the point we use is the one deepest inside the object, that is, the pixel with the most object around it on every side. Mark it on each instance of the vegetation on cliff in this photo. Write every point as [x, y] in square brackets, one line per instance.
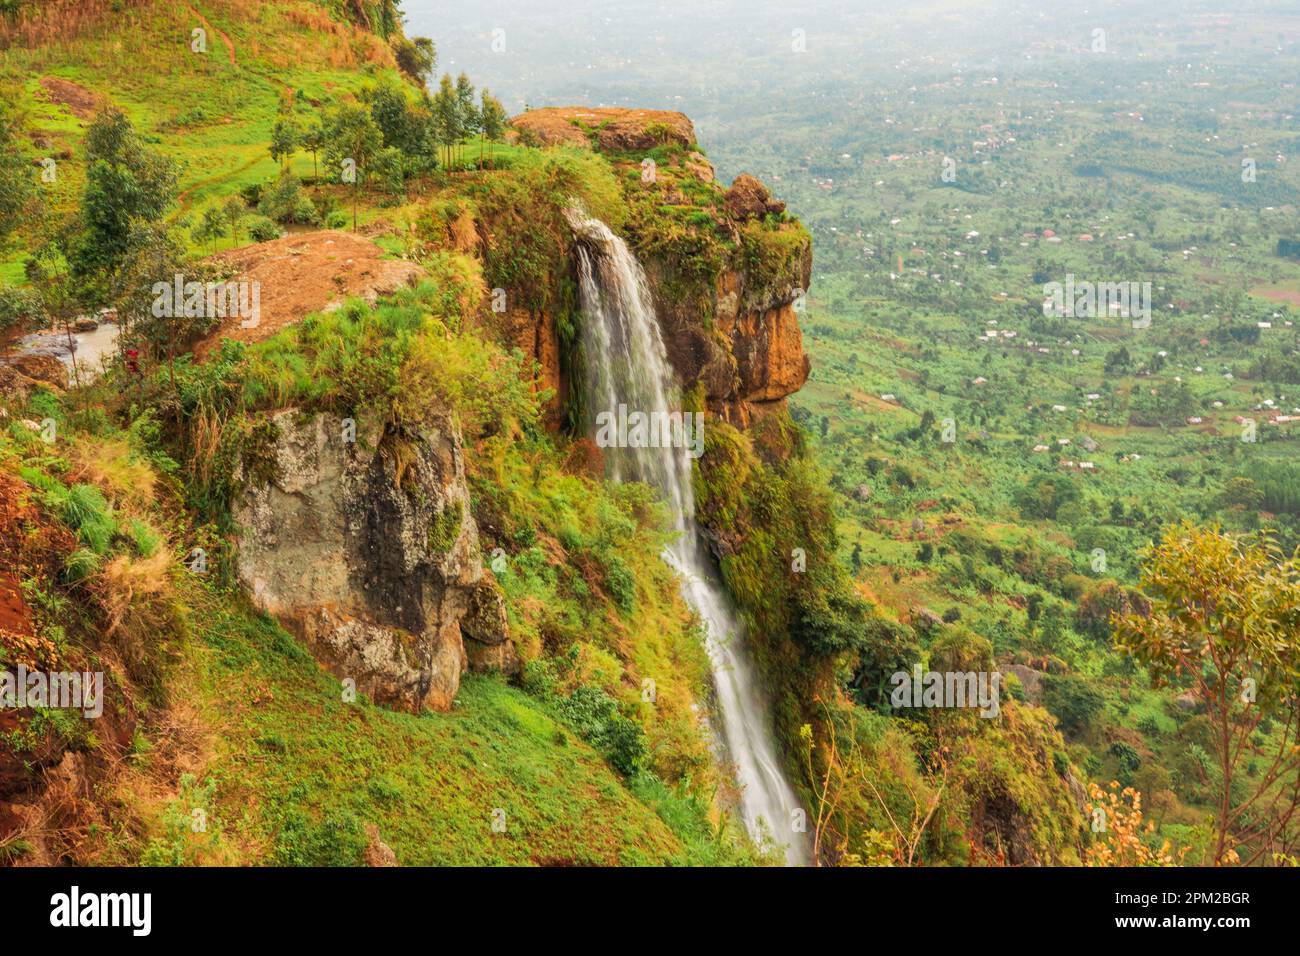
[119, 551]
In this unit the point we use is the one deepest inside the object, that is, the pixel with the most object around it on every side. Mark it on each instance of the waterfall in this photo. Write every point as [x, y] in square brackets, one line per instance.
[628, 369]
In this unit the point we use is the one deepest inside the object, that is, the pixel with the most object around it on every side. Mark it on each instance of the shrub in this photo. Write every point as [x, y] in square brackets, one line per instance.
[594, 715]
[86, 512]
[261, 229]
[144, 538]
[21, 307]
[1073, 700]
[285, 202]
[620, 582]
[1128, 758]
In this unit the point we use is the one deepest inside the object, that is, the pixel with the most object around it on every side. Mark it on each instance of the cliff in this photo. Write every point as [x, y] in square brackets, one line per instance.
[728, 267]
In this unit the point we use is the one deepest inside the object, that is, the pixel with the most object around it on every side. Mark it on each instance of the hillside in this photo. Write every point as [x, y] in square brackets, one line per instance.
[208, 693]
[304, 351]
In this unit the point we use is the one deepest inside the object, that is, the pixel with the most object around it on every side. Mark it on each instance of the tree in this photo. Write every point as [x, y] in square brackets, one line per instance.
[386, 171]
[352, 140]
[1223, 624]
[17, 193]
[1243, 493]
[48, 271]
[285, 139]
[124, 182]
[154, 254]
[285, 201]
[492, 121]
[1118, 360]
[1098, 604]
[313, 140]
[467, 114]
[393, 116]
[446, 117]
[415, 57]
[1073, 701]
[210, 227]
[232, 211]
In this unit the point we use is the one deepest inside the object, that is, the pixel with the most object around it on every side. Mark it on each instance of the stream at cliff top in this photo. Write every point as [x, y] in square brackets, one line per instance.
[88, 352]
[628, 366]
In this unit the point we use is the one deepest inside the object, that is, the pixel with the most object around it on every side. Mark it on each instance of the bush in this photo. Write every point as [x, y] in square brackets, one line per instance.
[261, 229]
[1128, 759]
[620, 582]
[21, 307]
[87, 512]
[285, 202]
[594, 715]
[1073, 700]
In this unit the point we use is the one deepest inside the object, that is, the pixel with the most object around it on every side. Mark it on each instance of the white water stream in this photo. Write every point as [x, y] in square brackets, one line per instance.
[628, 366]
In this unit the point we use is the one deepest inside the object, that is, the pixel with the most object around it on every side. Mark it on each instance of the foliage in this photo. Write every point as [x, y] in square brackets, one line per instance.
[125, 181]
[1122, 840]
[1225, 612]
[286, 203]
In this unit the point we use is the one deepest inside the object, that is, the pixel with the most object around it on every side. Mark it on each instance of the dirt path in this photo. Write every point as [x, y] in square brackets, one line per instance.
[183, 197]
[230, 47]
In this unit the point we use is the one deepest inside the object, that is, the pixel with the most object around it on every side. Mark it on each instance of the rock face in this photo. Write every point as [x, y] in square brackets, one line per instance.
[751, 358]
[367, 551]
[536, 335]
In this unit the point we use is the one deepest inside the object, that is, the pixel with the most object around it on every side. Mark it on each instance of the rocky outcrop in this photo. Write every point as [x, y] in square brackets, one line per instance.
[748, 198]
[42, 368]
[738, 334]
[535, 334]
[377, 852]
[751, 356]
[365, 548]
[612, 128]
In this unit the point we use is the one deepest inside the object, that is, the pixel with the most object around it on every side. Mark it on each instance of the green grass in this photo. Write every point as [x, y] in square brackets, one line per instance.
[297, 772]
[212, 119]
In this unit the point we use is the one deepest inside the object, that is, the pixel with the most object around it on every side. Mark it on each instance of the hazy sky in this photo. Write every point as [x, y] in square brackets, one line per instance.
[610, 48]
[795, 62]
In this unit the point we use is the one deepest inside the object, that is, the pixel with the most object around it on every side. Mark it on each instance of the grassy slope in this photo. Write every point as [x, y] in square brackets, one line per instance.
[213, 118]
[283, 768]
[297, 771]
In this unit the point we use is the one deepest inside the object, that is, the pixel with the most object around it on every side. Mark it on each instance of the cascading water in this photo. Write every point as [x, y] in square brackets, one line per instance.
[628, 366]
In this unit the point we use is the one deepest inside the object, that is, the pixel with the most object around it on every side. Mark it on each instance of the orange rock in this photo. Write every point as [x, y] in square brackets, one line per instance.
[615, 128]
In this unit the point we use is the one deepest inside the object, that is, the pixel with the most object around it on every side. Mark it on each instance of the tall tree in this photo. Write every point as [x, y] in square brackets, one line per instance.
[17, 192]
[492, 120]
[313, 141]
[286, 136]
[415, 57]
[446, 117]
[466, 113]
[352, 141]
[124, 182]
[1223, 624]
[232, 211]
[209, 227]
